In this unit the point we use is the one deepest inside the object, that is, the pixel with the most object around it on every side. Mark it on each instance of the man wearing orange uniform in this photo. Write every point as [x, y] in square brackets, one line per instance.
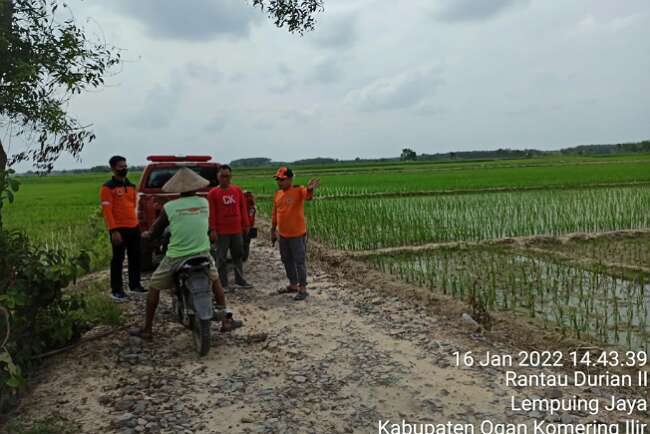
[289, 223]
[118, 199]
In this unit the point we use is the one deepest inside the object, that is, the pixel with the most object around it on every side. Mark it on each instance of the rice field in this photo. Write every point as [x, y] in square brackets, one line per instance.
[629, 250]
[577, 302]
[580, 296]
[600, 292]
[62, 212]
[447, 177]
[363, 224]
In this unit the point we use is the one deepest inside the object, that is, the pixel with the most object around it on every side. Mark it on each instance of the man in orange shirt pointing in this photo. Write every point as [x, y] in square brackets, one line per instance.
[289, 222]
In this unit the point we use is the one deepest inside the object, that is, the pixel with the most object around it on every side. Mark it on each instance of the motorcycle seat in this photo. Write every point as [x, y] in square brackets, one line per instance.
[194, 263]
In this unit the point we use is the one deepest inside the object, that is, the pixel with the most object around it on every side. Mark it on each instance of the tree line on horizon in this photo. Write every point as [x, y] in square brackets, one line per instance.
[410, 155]
[499, 154]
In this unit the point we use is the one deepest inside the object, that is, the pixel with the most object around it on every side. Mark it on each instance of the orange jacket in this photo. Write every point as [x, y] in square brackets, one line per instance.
[289, 211]
[118, 201]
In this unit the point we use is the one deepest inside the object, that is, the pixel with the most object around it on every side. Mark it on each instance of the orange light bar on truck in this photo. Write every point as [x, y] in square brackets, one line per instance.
[159, 158]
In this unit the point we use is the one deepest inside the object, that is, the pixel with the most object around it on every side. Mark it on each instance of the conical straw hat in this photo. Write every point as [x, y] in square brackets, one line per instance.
[185, 180]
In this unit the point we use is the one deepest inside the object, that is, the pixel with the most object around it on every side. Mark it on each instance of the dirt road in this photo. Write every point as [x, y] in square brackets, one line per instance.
[347, 358]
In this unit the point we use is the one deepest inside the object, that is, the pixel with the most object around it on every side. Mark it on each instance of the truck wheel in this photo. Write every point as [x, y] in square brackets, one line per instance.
[201, 333]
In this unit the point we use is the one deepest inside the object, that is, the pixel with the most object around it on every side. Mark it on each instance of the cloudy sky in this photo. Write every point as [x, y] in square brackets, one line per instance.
[216, 77]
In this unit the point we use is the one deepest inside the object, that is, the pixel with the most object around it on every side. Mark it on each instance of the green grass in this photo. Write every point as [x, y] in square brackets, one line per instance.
[355, 224]
[63, 213]
[99, 309]
[346, 167]
[472, 177]
[56, 209]
[51, 207]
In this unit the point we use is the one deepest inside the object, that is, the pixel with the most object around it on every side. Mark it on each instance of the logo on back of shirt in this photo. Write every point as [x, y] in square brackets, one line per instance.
[229, 200]
[191, 211]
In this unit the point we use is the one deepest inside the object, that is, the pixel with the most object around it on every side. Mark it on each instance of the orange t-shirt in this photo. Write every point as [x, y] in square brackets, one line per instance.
[289, 211]
[118, 200]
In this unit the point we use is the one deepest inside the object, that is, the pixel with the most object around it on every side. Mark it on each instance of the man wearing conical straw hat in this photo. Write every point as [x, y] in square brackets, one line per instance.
[188, 219]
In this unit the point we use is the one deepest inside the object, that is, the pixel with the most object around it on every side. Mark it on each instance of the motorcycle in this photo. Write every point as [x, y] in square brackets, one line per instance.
[192, 300]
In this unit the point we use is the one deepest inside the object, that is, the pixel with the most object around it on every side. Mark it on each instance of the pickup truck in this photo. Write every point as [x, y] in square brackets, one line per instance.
[151, 198]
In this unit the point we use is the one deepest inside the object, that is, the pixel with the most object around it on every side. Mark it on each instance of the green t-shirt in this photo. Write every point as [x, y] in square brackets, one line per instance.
[188, 223]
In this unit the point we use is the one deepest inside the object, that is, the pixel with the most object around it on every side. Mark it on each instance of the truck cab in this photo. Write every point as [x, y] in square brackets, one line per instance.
[151, 198]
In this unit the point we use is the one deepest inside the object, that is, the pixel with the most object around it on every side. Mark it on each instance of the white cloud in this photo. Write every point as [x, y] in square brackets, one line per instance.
[430, 108]
[205, 72]
[194, 20]
[474, 10]
[327, 70]
[216, 76]
[160, 106]
[590, 24]
[401, 91]
[337, 31]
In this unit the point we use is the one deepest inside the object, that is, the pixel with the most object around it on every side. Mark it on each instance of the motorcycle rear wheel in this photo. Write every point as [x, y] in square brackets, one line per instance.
[201, 333]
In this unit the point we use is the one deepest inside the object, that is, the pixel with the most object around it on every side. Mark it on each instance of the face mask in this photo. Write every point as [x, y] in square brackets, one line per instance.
[122, 172]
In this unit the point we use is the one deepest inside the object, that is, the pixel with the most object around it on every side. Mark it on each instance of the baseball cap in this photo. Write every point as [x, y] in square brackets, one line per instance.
[283, 173]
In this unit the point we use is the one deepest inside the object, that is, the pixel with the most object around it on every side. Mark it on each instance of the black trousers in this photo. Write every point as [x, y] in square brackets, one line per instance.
[130, 244]
[292, 253]
[235, 244]
[246, 248]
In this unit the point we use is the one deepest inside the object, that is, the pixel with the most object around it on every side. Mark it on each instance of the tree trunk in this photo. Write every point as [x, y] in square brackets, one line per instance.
[3, 158]
[7, 8]
[3, 167]
[6, 17]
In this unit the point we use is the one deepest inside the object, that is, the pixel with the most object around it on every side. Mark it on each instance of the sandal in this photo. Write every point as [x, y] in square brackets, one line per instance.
[288, 290]
[229, 325]
[140, 333]
[301, 296]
